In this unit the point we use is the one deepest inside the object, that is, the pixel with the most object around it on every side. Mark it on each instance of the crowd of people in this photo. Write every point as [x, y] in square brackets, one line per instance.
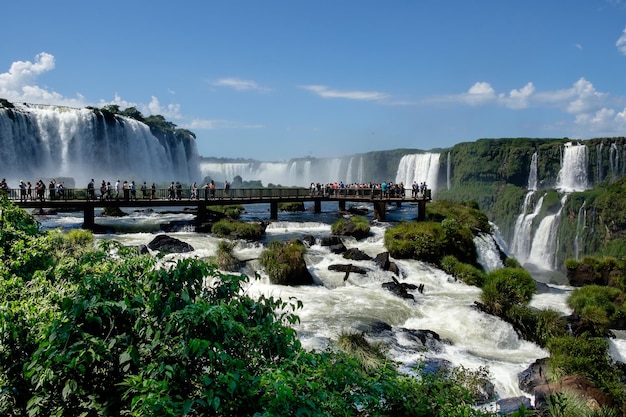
[127, 191]
[382, 190]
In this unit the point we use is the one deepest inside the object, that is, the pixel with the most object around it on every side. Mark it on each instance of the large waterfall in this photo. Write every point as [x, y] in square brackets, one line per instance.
[299, 172]
[573, 173]
[38, 142]
[419, 167]
[535, 239]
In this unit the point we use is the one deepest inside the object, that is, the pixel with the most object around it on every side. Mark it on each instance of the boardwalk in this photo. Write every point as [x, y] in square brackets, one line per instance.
[76, 199]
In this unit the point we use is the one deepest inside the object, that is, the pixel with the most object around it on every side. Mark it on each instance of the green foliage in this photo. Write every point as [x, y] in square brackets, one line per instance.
[291, 207]
[466, 216]
[597, 306]
[467, 273]
[589, 357]
[225, 259]
[370, 356]
[507, 287]
[282, 259]
[357, 226]
[232, 211]
[238, 230]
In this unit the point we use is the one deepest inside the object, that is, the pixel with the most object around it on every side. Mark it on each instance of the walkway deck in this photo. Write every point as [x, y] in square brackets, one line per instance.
[76, 199]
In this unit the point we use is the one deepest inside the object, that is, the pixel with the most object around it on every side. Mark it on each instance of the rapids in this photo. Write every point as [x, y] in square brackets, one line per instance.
[469, 338]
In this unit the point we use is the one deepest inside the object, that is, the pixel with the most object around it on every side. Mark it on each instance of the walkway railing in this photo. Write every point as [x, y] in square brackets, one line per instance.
[73, 194]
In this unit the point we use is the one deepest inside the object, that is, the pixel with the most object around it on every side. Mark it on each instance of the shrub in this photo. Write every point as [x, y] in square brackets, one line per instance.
[284, 262]
[467, 273]
[225, 259]
[238, 230]
[357, 226]
[507, 287]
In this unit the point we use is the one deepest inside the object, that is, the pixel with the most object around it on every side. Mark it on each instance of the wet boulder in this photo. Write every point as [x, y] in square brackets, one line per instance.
[168, 244]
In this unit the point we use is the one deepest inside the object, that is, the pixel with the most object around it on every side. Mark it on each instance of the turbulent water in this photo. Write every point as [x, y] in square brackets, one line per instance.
[469, 337]
[42, 142]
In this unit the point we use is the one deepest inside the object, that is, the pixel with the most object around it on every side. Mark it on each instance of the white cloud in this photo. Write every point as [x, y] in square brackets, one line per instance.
[171, 111]
[324, 92]
[621, 43]
[518, 99]
[239, 85]
[19, 84]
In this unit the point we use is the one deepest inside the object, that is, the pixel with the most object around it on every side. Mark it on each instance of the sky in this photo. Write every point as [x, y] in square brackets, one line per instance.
[274, 80]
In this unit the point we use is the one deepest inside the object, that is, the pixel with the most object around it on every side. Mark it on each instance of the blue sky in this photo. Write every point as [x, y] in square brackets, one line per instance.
[274, 80]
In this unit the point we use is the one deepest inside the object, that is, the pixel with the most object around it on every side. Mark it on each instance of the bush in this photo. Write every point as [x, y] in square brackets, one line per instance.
[507, 287]
[238, 230]
[357, 226]
[225, 259]
[467, 273]
[284, 263]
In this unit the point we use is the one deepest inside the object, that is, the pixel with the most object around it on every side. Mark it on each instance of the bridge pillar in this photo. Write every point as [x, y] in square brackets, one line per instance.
[318, 206]
[421, 210]
[342, 205]
[274, 210]
[88, 217]
[379, 210]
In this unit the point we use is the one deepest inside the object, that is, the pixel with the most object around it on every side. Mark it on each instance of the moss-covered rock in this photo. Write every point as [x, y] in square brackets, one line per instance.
[450, 230]
[355, 226]
[284, 263]
[291, 207]
[233, 229]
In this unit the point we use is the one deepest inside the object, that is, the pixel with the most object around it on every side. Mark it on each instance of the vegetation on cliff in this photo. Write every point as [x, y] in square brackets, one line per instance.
[106, 331]
[234, 229]
[284, 263]
[449, 230]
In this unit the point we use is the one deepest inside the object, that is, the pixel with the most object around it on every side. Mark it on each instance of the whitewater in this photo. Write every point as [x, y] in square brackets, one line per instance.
[468, 337]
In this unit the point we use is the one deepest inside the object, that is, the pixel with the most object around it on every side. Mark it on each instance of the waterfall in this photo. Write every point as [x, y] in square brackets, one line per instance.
[581, 225]
[360, 174]
[532, 175]
[614, 160]
[573, 173]
[419, 167]
[599, 162]
[348, 178]
[523, 236]
[487, 252]
[543, 250]
[39, 142]
[448, 169]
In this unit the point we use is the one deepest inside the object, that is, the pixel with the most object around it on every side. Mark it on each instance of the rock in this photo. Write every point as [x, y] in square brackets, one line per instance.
[334, 243]
[400, 289]
[429, 340]
[356, 255]
[382, 260]
[347, 269]
[143, 249]
[577, 385]
[168, 244]
[533, 376]
[309, 240]
[393, 267]
[507, 406]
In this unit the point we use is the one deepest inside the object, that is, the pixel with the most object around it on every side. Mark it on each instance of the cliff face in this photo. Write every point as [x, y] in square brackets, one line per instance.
[552, 199]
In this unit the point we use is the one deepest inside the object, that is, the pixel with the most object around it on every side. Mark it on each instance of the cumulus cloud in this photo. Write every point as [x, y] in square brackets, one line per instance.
[621, 43]
[19, 84]
[171, 111]
[239, 85]
[325, 92]
[519, 99]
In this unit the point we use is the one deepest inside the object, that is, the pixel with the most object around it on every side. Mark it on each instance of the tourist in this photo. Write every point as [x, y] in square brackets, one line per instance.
[29, 191]
[226, 188]
[194, 191]
[117, 189]
[51, 188]
[153, 192]
[91, 190]
[22, 191]
[144, 190]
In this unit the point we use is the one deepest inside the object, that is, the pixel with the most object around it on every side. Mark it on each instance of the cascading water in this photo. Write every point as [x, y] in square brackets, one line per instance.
[523, 234]
[488, 253]
[49, 142]
[419, 167]
[543, 249]
[448, 171]
[532, 174]
[581, 225]
[573, 173]
[300, 172]
[614, 160]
